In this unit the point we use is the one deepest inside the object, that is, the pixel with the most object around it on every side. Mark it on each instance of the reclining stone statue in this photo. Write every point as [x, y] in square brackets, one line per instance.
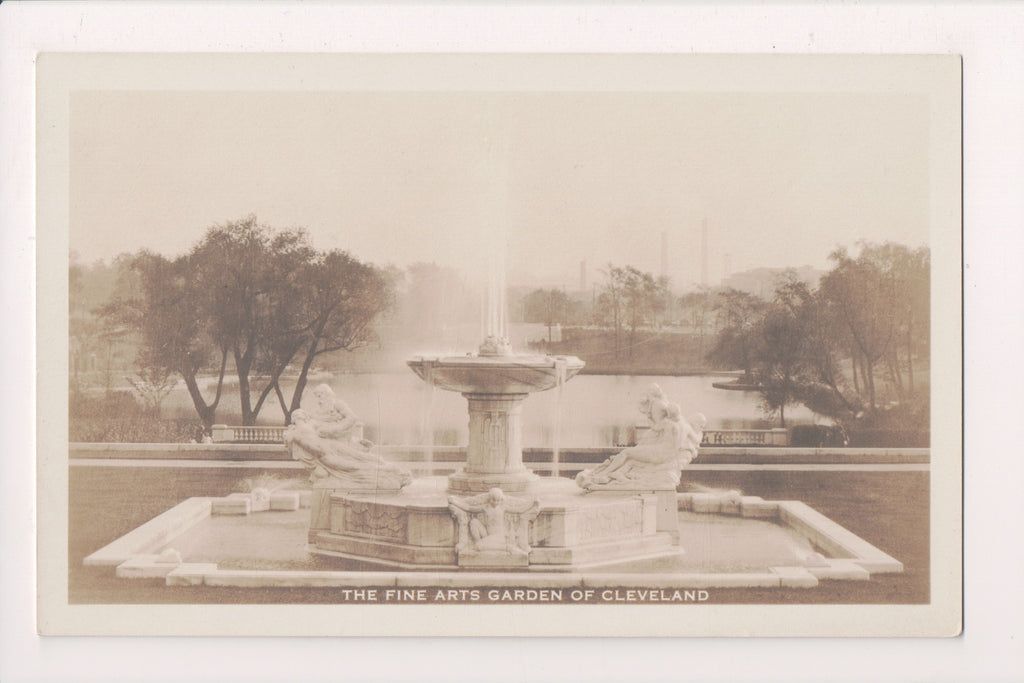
[656, 461]
[327, 438]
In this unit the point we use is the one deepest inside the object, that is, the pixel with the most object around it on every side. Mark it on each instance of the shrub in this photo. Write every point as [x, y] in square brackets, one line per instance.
[118, 418]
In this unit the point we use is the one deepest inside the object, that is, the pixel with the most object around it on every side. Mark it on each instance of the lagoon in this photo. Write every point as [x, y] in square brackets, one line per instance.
[594, 410]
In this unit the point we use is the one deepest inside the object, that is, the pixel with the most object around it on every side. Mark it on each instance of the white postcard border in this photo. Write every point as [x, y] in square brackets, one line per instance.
[966, 31]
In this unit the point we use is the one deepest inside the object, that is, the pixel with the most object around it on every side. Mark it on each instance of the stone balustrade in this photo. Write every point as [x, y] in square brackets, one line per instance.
[745, 437]
[255, 434]
[712, 437]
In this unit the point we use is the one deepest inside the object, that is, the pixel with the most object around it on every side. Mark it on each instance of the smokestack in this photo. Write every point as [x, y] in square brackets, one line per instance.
[704, 252]
[583, 276]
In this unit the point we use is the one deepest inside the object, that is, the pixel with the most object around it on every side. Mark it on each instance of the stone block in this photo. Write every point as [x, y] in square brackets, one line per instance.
[147, 567]
[320, 512]
[260, 498]
[232, 505]
[666, 512]
[426, 527]
[755, 506]
[683, 581]
[882, 564]
[284, 500]
[706, 503]
[795, 577]
[190, 574]
[305, 498]
[729, 503]
[846, 570]
[382, 552]
[815, 560]
[275, 578]
[493, 559]
[439, 580]
[556, 526]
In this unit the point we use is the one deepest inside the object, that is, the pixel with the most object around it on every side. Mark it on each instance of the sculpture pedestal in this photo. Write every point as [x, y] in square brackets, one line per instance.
[494, 455]
[665, 502]
[415, 528]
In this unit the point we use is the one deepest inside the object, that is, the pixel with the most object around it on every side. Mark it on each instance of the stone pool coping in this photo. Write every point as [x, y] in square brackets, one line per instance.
[537, 458]
[135, 555]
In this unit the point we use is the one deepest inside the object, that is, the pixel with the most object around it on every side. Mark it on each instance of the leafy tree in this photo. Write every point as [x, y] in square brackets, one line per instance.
[781, 350]
[340, 300]
[737, 314]
[609, 304]
[881, 301]
[167, 314]
[697, 307]
[259, 298]
[546, 306]
[631, 298]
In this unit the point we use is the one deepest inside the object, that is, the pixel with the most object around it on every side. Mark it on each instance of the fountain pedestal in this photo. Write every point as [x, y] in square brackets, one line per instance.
[415, 528]
[494, 454]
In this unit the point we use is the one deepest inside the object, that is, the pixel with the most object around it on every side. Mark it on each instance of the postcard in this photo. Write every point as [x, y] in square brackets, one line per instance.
[499, 345]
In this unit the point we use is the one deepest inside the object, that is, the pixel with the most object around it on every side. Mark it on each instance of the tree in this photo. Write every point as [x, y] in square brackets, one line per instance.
[737, 314]
[880, 298]
[610, 304]
[697, 307]
[631, 298]
[780, 354]
[167, 314]
[340, 298]
[546, 306]
[259, 298]
[643, 300]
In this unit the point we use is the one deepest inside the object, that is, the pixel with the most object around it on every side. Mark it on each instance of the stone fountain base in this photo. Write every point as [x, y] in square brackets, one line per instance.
[415, 528]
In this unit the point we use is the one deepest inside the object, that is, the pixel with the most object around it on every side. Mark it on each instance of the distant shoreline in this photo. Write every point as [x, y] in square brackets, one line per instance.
[656, 372]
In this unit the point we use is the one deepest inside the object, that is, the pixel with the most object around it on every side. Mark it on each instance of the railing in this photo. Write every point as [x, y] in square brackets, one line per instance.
[712, 437]
[226, 434]
[745, 437]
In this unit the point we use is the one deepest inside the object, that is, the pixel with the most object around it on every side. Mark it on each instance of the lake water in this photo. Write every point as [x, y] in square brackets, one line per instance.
[595, 410]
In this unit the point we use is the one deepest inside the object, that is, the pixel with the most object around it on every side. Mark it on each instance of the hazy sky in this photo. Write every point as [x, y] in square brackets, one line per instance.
[781, 179]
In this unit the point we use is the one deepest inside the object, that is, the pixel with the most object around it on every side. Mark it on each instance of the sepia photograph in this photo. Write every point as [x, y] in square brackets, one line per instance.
[500, 344]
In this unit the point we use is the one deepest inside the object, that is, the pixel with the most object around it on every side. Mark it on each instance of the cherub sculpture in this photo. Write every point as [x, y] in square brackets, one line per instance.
[493, 521]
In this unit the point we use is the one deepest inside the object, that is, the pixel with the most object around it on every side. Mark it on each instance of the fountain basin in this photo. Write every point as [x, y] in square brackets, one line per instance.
[501, 374]
[730, 540]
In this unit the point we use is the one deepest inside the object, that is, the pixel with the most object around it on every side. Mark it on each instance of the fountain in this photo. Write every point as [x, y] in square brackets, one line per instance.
[495, 383]
[494, 513]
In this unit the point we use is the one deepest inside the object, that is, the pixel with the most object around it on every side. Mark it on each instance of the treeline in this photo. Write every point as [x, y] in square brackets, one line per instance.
[866, 323]
[852, 344]
[259, 309]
